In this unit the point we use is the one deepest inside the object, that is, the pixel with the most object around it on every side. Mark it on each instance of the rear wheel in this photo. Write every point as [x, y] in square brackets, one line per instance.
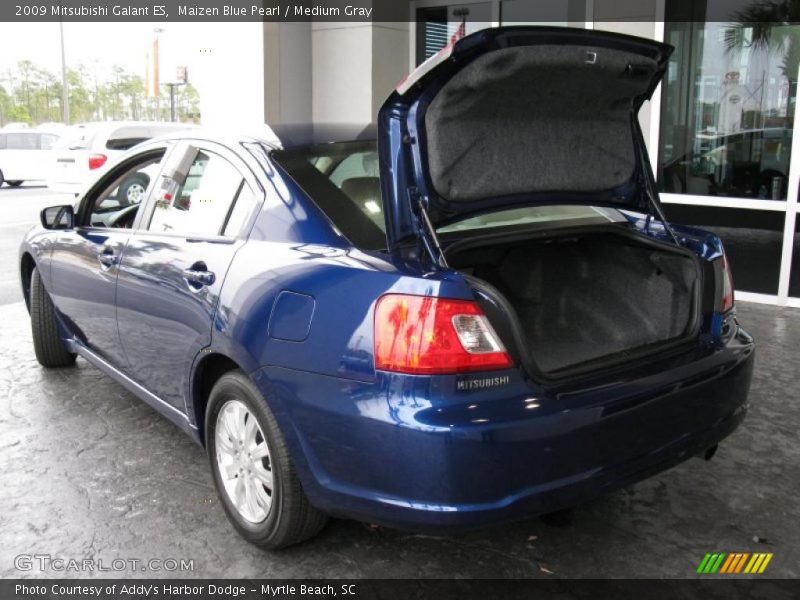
[47, 344]
[253, 472]
[15, 183]
[2, 179]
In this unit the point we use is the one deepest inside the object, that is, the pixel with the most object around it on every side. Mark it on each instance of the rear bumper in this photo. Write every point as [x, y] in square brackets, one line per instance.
[408, 452]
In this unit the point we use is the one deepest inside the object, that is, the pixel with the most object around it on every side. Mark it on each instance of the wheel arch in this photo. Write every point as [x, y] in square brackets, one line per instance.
[209, 368]
[27, 265]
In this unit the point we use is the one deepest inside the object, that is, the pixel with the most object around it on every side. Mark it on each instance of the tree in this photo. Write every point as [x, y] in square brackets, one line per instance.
[32, 94]
[769, 26]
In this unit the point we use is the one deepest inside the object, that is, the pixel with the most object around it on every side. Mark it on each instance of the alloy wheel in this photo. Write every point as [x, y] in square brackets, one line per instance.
[243, 461]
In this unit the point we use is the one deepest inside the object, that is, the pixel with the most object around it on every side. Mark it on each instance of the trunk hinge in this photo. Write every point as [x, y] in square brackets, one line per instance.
[425, 229]
[650, 188]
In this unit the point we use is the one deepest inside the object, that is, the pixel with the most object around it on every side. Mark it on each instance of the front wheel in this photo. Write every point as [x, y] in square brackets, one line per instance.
[15, 183]
[253, 473]
[47, 344]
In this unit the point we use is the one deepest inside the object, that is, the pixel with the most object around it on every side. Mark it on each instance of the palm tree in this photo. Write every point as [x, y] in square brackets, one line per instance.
[771, 27]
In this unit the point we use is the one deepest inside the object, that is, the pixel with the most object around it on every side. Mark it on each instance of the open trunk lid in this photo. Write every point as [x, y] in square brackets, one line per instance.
[518, 116]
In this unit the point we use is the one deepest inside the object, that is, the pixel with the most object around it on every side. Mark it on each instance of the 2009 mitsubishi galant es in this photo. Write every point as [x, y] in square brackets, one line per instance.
[482, 317]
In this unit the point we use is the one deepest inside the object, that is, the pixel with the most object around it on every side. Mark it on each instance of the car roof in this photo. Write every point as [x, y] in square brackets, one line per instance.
[284, 136]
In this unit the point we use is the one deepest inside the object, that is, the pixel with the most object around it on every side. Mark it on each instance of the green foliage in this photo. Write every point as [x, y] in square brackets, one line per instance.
[33, 95]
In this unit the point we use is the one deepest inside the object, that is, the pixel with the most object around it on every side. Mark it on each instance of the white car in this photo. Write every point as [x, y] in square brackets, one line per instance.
[25, 154]
[85, 151]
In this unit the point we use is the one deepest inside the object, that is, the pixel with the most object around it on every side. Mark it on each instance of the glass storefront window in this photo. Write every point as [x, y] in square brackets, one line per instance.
[727, 108]
[436, 25]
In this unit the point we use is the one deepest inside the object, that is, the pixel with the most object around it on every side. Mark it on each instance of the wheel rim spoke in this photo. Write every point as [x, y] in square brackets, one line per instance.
[260, 451]
[264, 498]
[231, 470]
[261, 475]
[243, 461]
[250, 430]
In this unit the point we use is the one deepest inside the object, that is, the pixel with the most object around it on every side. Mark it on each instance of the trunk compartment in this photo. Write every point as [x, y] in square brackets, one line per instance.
[575, 301]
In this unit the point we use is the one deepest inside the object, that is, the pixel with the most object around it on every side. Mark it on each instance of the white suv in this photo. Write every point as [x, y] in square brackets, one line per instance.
[25, 154]
[87, 150]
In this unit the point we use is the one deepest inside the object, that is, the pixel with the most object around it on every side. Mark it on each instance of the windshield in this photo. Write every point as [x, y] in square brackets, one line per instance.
[535, 214]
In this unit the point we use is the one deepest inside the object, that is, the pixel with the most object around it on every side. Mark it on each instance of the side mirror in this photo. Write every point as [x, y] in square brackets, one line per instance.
[58, 217]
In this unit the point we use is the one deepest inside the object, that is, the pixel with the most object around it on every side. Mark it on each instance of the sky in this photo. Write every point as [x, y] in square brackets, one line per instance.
[101, 45]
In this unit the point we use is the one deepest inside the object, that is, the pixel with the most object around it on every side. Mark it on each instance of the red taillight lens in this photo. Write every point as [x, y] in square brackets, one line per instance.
[726, 303]
[96, 161]
[424, 335]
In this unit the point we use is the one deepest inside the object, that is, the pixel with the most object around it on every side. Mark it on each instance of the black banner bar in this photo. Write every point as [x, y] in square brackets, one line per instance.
[539, 11]
[394, 589]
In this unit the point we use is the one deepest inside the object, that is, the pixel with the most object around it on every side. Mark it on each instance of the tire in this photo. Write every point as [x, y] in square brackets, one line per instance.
[15, 183]
[2, 179]
[47, 344]
[132, 190]
[288, 518]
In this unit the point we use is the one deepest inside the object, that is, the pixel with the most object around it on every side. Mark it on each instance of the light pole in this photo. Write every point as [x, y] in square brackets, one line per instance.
[64, 84]
[156, 82]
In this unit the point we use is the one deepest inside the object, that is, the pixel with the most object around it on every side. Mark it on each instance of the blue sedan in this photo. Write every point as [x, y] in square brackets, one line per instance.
[475, 313]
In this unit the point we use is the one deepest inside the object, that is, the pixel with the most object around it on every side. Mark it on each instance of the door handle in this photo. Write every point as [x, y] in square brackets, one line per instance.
[198, 275]
[107, 258]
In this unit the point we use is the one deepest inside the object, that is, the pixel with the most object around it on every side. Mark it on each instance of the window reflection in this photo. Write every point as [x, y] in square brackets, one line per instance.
[728, 108]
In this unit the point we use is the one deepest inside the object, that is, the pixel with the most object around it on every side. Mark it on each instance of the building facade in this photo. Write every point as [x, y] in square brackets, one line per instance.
[720, 128]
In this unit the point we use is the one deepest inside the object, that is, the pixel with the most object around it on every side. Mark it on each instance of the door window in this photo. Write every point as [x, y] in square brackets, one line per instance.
[22, 141]
[203, 203]
[117, 205]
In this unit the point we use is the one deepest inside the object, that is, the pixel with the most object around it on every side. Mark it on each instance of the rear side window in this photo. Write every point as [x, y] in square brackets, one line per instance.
[343, 181]
[203, 204]
[22, 141]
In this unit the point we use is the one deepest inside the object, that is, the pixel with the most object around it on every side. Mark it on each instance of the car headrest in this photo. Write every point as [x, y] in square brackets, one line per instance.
[361, 189]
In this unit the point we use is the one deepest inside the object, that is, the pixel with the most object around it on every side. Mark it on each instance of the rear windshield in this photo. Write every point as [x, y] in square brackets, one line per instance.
[536, 214]
[79, 138]
[124, 143]
[343, 180]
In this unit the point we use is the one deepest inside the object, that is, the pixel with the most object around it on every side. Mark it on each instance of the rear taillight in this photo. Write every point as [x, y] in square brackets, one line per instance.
[96, 161]
[424, 335]
[726, 302]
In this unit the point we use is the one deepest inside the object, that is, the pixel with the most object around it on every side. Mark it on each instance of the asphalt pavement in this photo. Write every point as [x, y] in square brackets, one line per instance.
[20, 208]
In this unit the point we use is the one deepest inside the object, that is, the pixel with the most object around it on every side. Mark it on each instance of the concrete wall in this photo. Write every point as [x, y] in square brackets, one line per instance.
[331, 72]
[288, 90]
[342, 72]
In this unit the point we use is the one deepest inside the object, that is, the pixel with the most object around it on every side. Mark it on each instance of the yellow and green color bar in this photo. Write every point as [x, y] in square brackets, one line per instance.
[734, 562]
